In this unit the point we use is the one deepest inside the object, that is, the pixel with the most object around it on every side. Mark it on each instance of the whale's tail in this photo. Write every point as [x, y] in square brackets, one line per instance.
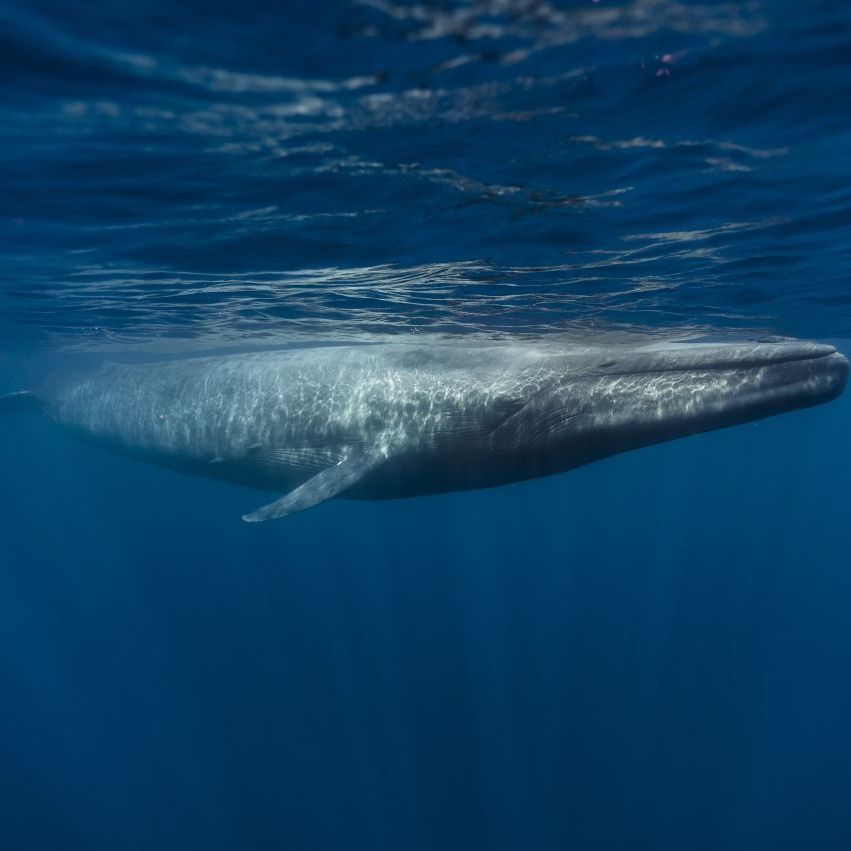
[23, 400]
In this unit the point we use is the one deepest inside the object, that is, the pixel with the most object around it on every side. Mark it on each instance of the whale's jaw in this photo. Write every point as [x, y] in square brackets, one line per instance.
[724, 386]
[658, 395]
[802, 382]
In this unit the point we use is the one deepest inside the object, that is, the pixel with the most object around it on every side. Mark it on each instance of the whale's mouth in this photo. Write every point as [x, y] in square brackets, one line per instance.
[794, 374]
[818, 377]
[782, 376]
[669, 391]
[773, 380]
[697, 357]
[766, 355]
[791, 373]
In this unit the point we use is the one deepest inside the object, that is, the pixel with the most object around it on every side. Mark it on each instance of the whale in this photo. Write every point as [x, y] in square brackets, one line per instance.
[392, 420]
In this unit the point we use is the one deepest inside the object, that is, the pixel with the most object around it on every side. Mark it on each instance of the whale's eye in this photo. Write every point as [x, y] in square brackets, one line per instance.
[607, 364]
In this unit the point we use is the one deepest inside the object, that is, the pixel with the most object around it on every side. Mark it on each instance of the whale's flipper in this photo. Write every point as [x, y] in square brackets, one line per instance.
[322, 486]
[23, 400]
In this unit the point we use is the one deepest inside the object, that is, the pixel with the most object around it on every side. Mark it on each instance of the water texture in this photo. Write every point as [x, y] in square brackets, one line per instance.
[195, 175]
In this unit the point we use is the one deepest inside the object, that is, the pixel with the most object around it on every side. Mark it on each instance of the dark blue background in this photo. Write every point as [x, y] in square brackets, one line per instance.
[651, 652]
[648, 653]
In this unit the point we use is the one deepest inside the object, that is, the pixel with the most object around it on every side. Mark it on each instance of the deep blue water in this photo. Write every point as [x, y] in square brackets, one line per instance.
[648, 653]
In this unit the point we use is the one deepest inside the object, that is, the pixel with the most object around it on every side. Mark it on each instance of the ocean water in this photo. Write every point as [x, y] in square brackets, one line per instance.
[651, 652]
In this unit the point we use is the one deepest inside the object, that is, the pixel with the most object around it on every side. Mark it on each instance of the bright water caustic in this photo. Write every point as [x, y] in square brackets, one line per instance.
[373, 250]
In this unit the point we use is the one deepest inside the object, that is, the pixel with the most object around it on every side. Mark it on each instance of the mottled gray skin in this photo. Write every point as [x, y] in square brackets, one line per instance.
[405, 420]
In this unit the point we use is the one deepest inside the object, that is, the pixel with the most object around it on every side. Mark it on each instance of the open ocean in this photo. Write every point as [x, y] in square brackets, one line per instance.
[651, 653]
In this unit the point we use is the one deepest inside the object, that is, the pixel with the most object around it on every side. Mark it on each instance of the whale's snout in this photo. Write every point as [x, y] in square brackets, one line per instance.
[834, 374]
[670, 392]
[812, 377]
[781, 375]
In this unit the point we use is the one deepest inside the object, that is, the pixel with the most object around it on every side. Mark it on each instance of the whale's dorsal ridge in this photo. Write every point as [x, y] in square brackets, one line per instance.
[327, 484]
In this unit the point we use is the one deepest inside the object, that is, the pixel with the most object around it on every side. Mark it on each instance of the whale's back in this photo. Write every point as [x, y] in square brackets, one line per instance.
[327, 399]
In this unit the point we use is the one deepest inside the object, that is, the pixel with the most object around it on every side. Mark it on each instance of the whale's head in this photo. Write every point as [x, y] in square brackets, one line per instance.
[632, 397]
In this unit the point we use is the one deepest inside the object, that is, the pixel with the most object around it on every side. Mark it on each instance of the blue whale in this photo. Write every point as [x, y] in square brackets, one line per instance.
[390, 420]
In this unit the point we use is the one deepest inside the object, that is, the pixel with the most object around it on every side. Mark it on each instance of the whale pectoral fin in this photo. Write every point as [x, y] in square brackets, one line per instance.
[325, 485]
